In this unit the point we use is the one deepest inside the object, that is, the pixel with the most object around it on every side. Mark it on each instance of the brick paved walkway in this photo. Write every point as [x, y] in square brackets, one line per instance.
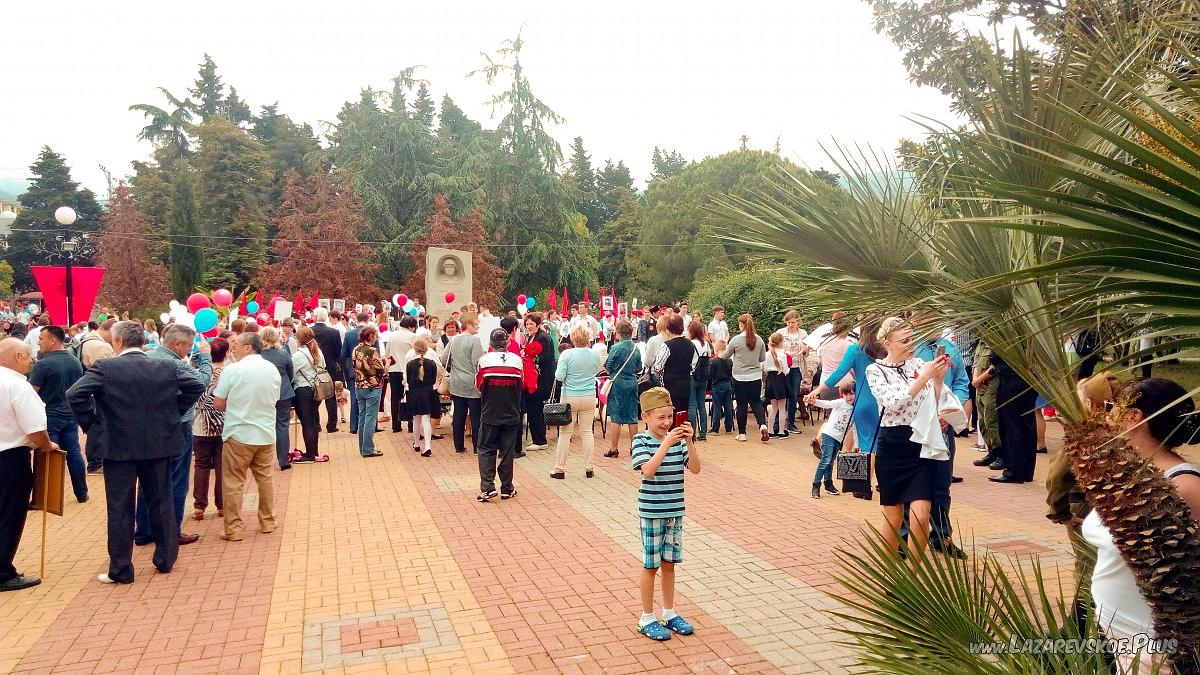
[391, 563]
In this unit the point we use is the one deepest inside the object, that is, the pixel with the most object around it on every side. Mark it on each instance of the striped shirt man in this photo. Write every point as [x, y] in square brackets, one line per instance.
[661, 495]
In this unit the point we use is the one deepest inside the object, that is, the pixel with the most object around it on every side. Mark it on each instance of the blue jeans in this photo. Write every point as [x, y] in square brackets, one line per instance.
[939, 516]
[283, 442]
[722, 394]
[65, 432]
[368, 418]
[353, 405]
[181, 473]
[829, 450]
[697, 410]
[793, 388]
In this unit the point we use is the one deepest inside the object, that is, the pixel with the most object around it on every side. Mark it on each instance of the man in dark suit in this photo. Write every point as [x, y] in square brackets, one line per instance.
[141, 401]
[330, 342]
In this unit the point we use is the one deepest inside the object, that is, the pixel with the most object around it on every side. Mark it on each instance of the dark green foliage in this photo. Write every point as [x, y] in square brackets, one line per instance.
[186, 249]
[237, 110]
[755, 291]
[33, 239]
[581, 181]
[667, 163]
[208, 92]
[423, 106]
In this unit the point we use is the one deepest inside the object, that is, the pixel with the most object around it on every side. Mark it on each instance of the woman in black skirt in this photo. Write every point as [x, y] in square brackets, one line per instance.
[421, 401]
[901, 383]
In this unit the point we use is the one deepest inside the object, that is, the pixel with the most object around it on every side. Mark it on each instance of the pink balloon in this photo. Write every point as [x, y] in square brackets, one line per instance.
[197, 302]
[211, 333]
[401, 300]
[521, 299]
[449, 296]
[383, 327]
[222, 297]
[263, 319]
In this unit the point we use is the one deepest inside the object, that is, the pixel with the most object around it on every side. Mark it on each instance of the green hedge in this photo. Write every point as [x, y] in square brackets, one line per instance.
[738, 291]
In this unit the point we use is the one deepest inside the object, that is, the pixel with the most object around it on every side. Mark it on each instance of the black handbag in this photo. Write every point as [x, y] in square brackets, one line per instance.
[557, 413]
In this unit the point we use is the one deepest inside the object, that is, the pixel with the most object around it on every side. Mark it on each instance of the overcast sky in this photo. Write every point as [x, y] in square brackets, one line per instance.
[691, 76]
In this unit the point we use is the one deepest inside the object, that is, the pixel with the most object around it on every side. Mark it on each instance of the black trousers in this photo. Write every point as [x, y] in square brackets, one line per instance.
[497, 446]
[462, 408]
[537, 417]
[397, 382]
[332, 411]
[121, 480]
[748, 394]
[1018, 432]
[16, 488]
[310, 420]
[91, 449]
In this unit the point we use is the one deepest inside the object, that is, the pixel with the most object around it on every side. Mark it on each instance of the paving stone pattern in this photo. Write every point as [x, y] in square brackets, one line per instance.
[389, 564]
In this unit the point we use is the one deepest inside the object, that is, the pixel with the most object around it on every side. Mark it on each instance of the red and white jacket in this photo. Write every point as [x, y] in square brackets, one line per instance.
[500, 378]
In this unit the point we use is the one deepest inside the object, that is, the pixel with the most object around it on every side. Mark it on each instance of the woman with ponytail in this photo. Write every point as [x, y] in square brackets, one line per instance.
[748, 352]
[420, 374]
[305, 361]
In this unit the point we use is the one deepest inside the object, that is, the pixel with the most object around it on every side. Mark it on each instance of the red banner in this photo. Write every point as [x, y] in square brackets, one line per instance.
[52, 282]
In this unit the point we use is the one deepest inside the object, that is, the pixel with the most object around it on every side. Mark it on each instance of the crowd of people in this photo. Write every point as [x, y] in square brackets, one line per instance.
[165, 410]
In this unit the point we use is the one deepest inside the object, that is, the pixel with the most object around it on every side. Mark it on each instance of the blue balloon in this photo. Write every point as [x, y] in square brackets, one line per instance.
[252, 307]
[206, 320]
[412, 312]
[530, 302]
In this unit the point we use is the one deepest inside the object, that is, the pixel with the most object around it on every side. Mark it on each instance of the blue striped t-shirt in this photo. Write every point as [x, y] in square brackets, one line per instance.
[661, 495]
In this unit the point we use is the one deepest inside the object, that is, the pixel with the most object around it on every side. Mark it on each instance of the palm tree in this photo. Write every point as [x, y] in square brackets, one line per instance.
[1074, 194]
[167, 129]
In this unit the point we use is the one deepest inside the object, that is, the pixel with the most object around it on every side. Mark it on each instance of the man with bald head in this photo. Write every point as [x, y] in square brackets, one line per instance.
[22, 428]
[141, 401]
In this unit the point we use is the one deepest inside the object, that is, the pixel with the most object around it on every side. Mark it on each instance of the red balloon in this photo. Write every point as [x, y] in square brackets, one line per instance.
[449, 296]
[211, 333]
[521, 299]
[263, 319]
[222, 297]
[197, 302]
[383, 327]
[401, 300]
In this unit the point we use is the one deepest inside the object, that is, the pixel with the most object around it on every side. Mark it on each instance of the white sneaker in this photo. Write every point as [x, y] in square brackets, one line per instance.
[740, 437]
[104, 579]
[531, 446]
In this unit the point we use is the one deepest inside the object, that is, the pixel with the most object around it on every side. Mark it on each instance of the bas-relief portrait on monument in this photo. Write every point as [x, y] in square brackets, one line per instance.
[446, 270]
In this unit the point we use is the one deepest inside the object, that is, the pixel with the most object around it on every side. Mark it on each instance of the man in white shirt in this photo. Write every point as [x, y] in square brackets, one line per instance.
[717, 328]
[22, 428]
[247, 393]
[687, 316]
[31, 340]
[582, 318]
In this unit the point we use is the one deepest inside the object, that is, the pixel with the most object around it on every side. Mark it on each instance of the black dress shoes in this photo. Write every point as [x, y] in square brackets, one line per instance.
[1005, 477]
[19, 582]
[998, 465]
[985, 460]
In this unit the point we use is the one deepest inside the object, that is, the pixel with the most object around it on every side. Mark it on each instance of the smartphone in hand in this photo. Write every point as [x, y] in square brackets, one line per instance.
[941, 351]
[681, 418]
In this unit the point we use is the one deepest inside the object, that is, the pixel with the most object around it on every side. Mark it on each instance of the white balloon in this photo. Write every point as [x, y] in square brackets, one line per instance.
[164, 317]
[396, 299]
[521, 310]
[409, 304]
[33, 309]
[174, 304]
[187, 319]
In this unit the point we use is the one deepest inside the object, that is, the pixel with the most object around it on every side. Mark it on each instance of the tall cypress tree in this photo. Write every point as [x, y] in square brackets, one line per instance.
[582, 180]
[423, 107]
[186, 253]
[33, 239]
[208, 93]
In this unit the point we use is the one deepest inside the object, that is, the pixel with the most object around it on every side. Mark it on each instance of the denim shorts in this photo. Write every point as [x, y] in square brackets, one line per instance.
[662, 541]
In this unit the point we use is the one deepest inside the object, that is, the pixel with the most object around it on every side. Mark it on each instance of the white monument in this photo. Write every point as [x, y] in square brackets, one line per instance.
[446, 270]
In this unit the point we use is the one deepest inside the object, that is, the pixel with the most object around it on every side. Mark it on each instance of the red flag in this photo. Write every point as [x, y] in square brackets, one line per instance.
[52, 282]
[616, 307]
[298, 305]
[586, 302]
[566, 302]
[313, 301]
[552, 298]
[242, 304]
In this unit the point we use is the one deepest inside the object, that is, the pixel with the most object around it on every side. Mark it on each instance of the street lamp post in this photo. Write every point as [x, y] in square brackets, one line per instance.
[65, 216]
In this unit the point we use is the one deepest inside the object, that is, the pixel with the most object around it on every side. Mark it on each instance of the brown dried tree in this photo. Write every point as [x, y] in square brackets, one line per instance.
[468, 234]
[133, 278]
[316, 245]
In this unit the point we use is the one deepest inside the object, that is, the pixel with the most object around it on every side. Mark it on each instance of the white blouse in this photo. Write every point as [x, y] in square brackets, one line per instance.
[1120, 607]
[890, 385]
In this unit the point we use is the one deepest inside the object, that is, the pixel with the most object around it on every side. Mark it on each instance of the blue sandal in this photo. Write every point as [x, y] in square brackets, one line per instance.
[655, 631]
[678, 625]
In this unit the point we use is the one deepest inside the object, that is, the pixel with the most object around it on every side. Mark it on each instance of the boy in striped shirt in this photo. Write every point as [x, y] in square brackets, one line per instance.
[661, 453]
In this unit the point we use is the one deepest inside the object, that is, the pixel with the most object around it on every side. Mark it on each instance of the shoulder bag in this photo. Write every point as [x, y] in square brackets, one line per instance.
[607, 387]
[557, 413]
[443, 383]
[322, 385]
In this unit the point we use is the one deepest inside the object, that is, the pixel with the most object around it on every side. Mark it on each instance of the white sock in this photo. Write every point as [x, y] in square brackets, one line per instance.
[426, 429]
[668, 614]
[647, 617]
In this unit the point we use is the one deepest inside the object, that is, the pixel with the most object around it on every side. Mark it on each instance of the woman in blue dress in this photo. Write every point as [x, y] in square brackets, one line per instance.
[624, 362]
